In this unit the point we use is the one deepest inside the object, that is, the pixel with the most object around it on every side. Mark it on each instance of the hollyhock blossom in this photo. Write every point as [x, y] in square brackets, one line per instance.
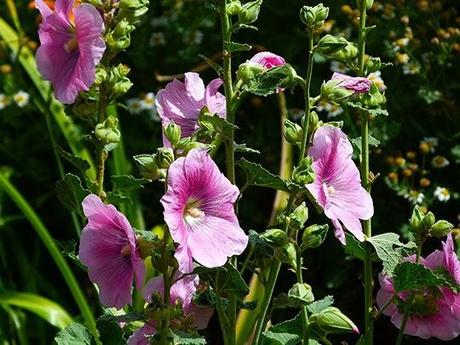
[108, 248]
[71, 47]
[267, 60]
[181, 291]
[181, 102]
[355, 84]
[198, 209]
[337, 186]
[436, 311]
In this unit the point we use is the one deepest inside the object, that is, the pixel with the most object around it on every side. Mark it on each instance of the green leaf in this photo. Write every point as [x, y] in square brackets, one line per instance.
[236, 47]
[81, 164]
[354, 247]
[71, 193]
[371, 111]
[75, 334]
[46, 309]
[259, 176]
[411, 275]
[110, 332]
[358, 141]
[244, 149]
[117, 199]
[225, 279]
[270, 81]
[390, 250]
[127, 182]
[181, 338]
[318, 306]
[284, 333]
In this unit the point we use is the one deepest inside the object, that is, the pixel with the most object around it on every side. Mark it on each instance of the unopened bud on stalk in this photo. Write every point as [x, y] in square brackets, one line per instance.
[147, 166]
[233, 8]
[299, 216]
[332, 91]
[441, 229]
[332, 320]
[275, 237]
[249, 12]
[248, 71]
[329, 45]
[313, 17]
[107, 132]
[292, 132]
[164, 157]
[173, 132]
[314, 235]
[303, 174]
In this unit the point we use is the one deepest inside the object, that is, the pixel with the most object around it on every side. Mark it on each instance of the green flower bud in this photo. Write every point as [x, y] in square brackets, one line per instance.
[304, 174]
[287, 254]
[299, 216]
[248, 71]
[374, 98]
[427, 222]
[194, 145]
[302, 293]
[164, 157]
[275, 237]
[332, 320]
[292, 132]
[101, 75]
[147, 166]
[249, 12]
[173, 132]
[373, 64]
[416, 218]
[329, 45]
[313, 17]
[441, 228]
[233, 8]
[107, 132]
[331, 91]
[314, 122]
[314, 235]
[348, 53]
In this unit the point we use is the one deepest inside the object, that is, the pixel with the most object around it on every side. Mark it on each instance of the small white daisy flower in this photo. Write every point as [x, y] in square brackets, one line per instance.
[439, 162]
[4, 102]
[376, 79]
[148, 102]
[134, 106]
[415, 197]
[442, 194]
[21, 98]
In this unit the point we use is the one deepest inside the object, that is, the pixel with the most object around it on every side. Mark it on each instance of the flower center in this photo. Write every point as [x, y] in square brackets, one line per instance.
[71, 45]
[330, 190]
[126, 250]
[192, 210]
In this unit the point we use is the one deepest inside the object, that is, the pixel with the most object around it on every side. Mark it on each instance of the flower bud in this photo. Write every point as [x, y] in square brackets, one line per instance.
[314, 235]
[332, 320]
[287, 254]
[299, 216]
[172, 132]
[331, 91]
[348, 53]
[313, 17]
[107, 132]
[441, 228]
[249, 12]
[416, 218]
[248, 71]
[101, 75]
[314, 122]
[374, 98]
[329, 44]
[426, 223]
[292, 132]
[164, 157]
[304, 174]
[301, 292]
[233, 8]
[147, 166]
[275, 237]
[373, 64]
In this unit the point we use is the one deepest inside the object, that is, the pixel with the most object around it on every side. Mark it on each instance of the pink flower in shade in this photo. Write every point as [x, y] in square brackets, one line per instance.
[181, 102]
[181, 291]
[355, 84]
[108, 248]
[337, 186]
[267, 60]
[438, 313]
[199, 212]
[71, 47]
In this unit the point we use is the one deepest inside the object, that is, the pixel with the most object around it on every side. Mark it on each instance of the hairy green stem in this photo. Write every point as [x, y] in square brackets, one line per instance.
[303, 308]
[367, 225]
[306, 118]
[166, 286]
[55, 253]
[102, 154]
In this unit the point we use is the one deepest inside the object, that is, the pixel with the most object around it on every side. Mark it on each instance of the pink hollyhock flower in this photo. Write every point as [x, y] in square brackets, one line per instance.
[267, 60]
[437, 310]
[198, 209]
[181, 291]
[71, 47]
[182, 102]
[337, 186]
[108, 248]
[355, 84]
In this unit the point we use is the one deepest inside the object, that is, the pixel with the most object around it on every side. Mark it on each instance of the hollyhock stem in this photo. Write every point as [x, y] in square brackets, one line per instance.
[101, 152]
[367, 225]
[167, 286]
[229, 148]
[306, 118]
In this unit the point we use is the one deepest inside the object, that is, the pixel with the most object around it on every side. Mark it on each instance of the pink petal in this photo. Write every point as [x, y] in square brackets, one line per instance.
[268, 60]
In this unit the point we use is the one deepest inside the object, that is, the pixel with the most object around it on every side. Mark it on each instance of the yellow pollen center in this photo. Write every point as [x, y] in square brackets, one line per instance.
[193, 212]
[330, 189]
[126, 250]
[71, 45]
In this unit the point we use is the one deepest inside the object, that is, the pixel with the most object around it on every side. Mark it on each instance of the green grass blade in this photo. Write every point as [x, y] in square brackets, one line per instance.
[46, 309]
[53, 250]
